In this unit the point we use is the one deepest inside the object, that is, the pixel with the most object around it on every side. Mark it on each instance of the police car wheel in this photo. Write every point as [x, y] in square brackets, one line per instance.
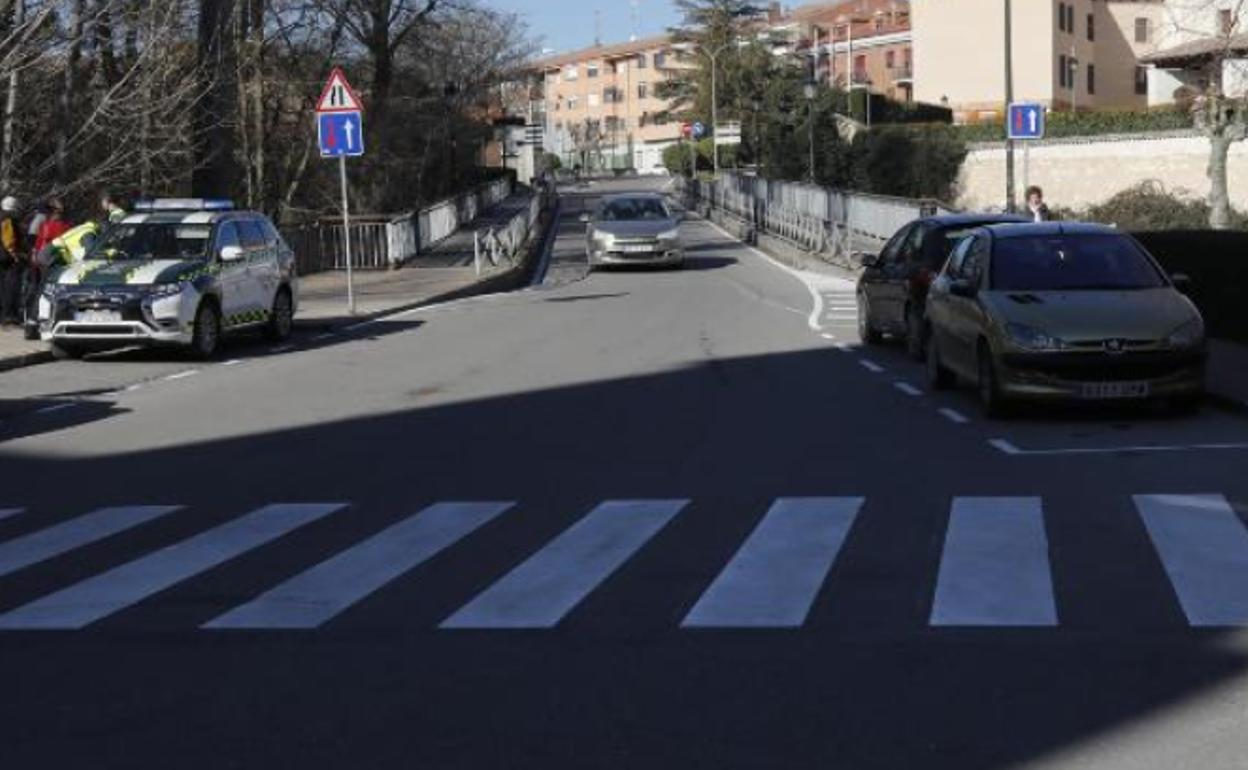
[206, 338]
[282, 319]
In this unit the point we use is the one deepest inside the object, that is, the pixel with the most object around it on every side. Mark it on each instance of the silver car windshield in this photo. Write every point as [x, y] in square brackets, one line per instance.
[633, 209]
[1072, 263]
[153, 240]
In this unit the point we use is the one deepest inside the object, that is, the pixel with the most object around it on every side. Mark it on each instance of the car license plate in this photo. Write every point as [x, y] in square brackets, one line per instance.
[97, 316]
[636, 248]
[1104, 390]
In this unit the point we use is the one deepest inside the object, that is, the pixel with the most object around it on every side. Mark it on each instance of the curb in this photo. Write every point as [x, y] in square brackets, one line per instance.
[22, 360]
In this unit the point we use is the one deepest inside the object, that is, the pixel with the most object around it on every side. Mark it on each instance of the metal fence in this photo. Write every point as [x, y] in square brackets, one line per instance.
[383, 242]
[496, 244]
[818, 219]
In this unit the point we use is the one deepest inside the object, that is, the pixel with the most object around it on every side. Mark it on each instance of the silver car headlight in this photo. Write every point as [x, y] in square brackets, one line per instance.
[1031, 338]
[158, 290]
[1189, 335]
[671, 236]
[604, 241]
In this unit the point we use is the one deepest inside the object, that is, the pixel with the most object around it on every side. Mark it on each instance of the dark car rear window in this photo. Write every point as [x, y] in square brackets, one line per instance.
[1085, 262]
[942, 241]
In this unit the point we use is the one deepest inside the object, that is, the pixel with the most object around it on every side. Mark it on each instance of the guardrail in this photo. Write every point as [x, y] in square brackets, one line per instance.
[384, 242]
[818, 219]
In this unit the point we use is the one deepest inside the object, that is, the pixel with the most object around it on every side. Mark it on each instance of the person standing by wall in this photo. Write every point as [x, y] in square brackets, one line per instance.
[1036, 205]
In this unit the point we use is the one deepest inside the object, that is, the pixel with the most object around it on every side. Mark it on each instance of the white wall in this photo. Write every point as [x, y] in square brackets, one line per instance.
[1079, 174]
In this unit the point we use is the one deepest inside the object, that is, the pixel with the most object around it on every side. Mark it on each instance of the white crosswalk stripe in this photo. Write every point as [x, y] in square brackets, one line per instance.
[992, 569]
[772, 581]
[995, 567]
[75, 533]
[1204, 547]
[545, 588]
[100, 596]
[320, 593]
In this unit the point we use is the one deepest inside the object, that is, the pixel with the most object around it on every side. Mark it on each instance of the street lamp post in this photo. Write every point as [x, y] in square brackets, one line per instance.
[1009, 98]
[809, 90]
[713, 56]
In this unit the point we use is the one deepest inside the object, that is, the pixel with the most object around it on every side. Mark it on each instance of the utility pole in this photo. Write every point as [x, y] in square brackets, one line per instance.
[1010, 205]
[715, 113]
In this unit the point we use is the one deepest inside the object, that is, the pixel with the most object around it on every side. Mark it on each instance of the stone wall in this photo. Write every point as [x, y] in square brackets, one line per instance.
[1077, 173]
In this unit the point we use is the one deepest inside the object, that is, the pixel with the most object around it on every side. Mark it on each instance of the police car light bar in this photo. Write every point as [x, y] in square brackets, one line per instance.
[185, 204]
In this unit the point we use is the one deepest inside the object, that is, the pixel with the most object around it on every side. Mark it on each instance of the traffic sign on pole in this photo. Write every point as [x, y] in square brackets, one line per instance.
[1025, 121]
[340, 130]
[699, 130]
[686, 130]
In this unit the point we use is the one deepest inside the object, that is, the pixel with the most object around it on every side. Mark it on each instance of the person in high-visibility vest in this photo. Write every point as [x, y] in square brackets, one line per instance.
[113, 210]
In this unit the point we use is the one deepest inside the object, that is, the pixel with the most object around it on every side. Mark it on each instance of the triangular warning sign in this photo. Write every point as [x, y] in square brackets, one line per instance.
[338, 95]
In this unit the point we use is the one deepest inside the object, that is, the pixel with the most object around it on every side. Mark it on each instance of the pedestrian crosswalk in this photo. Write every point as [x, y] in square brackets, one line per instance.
[991, 564]
[840, 307]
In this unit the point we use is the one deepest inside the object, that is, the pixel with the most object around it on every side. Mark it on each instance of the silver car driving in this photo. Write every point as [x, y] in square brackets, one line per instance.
[633, 228]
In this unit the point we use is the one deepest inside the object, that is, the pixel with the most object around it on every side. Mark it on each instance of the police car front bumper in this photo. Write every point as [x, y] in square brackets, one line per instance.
[114, 318]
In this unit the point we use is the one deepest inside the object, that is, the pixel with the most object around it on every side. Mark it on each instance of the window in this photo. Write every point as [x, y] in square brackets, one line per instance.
[271, 236]
[594, 100]
[1072, 263]
[1070, 19]
[1091, 78]
[641, 61]
[251, 235]
[1061, 16]
[591, 70]
[643, 90]
[893, 247]
[1063, 70]
[1141, 81]
[890, 59]
[660, 60]
[570, 72]
[1091, 27]
[913, 247]
[574, 102]
[1143, 31]
[954, 266]
[1226, 21]
[227, 235]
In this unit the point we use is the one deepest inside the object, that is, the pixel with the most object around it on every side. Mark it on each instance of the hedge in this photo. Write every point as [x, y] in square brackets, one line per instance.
[1069, 124]
[1217, 263]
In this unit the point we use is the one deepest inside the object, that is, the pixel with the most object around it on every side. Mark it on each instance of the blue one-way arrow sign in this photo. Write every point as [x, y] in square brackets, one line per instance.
[1025, 121]
[341, 134]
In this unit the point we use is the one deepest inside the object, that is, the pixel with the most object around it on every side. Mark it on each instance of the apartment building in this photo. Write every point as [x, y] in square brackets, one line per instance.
[600, 105]
[1187, 44]
[1067, 54]
[861, 44]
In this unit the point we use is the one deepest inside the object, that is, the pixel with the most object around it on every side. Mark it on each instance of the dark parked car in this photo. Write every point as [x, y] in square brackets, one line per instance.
[892, 292]
[1063, 312]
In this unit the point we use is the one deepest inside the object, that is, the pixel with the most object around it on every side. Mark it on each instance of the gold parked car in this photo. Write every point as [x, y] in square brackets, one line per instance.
[1063, 311]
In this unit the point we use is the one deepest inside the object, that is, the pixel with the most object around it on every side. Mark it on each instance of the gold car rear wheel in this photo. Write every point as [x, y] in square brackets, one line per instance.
[990, 398]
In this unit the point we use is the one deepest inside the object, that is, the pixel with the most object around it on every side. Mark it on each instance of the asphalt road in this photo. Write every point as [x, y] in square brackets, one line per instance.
[629, 519]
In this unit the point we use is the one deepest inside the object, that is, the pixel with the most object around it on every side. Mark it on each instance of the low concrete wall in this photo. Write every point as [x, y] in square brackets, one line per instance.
[1078, 173]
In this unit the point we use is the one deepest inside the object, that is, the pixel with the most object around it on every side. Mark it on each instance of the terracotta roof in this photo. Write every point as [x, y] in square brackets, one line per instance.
[827, 13]
[612, 51]
[1198, 50]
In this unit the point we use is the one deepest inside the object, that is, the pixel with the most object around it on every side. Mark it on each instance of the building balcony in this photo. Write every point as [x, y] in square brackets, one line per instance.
[903, 74]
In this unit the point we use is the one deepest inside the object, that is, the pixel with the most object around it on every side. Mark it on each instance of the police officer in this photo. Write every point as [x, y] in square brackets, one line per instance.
[113, 211]
[13, 261]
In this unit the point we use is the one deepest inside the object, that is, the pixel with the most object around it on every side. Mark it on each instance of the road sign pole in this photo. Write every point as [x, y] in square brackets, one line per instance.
[346, 233]
[1026, 169]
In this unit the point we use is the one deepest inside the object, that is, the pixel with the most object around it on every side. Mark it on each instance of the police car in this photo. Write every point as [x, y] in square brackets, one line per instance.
[174, 272]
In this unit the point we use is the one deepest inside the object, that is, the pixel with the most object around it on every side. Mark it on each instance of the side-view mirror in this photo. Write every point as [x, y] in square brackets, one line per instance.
[584, 218]
[1182, 282]
[231, 253]
[963, 288]
[866, 258]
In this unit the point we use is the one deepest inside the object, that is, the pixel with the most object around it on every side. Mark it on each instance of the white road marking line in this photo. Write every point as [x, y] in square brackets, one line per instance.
[773, 579]
[907, 388]
[1204, 547]
[870, 365]
[232, 362]
[827, 336]
[549, 584]
[322, 592]
[954, 415]
[180, 375]
[994, 570]
[108, 592]
[75, 533]
[56, 408]
[8, 513]
[1004, 446]
[1010, 449]
[134, 387]
[813, 319]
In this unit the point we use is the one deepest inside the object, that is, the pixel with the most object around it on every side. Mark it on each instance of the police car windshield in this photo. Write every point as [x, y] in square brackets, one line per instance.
[153, 240]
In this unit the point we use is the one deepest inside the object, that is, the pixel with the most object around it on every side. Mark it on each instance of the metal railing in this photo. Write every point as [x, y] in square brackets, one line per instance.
[817, 219]
[383, 242]
[505, 242]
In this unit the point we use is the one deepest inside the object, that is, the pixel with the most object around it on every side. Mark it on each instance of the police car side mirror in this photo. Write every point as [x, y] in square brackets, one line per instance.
[231, 253]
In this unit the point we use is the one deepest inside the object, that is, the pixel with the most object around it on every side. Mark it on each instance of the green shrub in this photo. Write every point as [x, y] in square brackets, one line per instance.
[1149, 206]
[1070, 124]
[909, 162]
